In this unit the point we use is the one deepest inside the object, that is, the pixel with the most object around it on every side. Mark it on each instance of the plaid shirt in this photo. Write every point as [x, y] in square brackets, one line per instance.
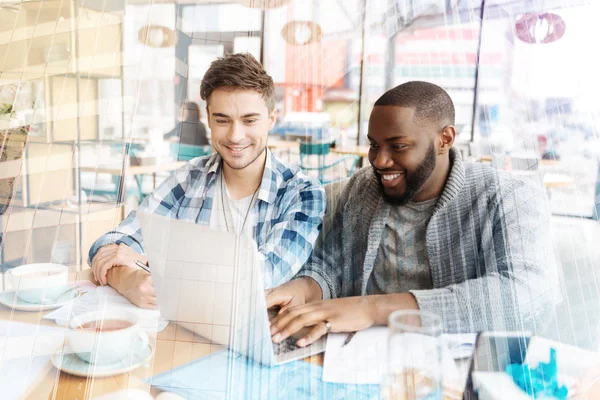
[290, 210]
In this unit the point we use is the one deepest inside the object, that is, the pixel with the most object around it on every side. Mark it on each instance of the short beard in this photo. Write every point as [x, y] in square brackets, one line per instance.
[414, 181]
[245, 166]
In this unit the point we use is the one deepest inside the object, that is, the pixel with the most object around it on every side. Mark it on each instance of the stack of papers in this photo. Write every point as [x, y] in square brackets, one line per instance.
[364, 359]
[105, 297]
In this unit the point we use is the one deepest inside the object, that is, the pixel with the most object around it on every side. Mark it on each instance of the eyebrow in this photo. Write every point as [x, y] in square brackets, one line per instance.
[390, 139]
[243, 116]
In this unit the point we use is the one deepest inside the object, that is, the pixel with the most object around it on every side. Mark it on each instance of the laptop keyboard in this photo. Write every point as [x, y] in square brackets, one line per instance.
[287, 345]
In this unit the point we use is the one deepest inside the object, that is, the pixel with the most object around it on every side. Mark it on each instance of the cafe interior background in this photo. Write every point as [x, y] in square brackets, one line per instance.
[88, 88]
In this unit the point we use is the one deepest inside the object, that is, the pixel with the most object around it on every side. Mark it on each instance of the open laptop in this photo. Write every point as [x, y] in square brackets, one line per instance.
[211, 283]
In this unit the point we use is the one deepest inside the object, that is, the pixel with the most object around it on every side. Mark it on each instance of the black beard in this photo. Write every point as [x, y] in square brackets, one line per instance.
[414, 181]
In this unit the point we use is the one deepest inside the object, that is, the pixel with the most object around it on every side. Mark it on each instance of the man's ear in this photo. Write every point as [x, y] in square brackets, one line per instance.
[447, 137]
[272, 118]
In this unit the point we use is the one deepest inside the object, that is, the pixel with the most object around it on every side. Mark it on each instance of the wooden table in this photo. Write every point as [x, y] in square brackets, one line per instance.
[545, 163]
[280, 145]
[173, 346]
[553, 181]
[361, 151]
[137, 169]
[134, 171]
[550, 180]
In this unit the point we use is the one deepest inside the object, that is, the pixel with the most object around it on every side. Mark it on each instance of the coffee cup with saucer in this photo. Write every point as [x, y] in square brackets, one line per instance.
[40, 283]
[35, 287]
[104, 343]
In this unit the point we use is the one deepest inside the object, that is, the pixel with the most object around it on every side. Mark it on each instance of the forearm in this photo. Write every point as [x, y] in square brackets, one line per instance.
[311, 289]
[383, 305]
[135, 284]
[128, 233]
[118, 278]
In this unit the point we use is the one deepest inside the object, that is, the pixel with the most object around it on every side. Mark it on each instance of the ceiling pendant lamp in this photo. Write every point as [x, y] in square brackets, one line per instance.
[540, 28]
[300, 33]
[156, 36]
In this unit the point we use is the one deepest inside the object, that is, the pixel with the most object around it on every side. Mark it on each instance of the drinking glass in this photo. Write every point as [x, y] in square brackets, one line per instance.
[414, 356]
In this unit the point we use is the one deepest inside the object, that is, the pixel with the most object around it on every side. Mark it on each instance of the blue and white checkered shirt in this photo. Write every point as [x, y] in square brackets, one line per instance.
[290, 208]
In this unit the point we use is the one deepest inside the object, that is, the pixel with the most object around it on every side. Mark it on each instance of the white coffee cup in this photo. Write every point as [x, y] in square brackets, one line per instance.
[106, 337]
[39, 283]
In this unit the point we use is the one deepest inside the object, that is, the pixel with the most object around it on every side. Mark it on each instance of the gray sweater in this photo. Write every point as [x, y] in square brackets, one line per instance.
[488, 244]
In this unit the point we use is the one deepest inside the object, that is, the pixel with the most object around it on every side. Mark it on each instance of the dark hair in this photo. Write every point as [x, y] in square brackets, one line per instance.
[193, 110]
[238, 71]
[430, 101]
[191, 106]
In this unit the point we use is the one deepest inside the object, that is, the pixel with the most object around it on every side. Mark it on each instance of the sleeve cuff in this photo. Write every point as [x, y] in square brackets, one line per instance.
[445, 304]
[112, 238]
[95, 247]
[325, 290]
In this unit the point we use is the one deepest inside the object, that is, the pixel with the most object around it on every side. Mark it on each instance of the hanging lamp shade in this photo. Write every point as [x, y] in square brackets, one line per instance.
[540, 28]
[300, 33]
[156, 36]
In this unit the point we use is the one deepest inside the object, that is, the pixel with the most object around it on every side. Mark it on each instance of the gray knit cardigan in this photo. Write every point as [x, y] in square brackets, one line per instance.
[488, 244]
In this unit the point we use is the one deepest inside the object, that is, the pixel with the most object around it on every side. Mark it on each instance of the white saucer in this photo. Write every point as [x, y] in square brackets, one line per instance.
[11, 300]
[72, 364]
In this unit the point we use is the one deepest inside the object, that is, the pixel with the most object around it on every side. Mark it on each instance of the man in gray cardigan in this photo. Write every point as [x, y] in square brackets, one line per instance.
[421, 229]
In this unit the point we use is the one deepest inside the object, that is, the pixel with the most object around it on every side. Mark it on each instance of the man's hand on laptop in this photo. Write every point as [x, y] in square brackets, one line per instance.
[114, 255]
[293, 293]
[347, 314]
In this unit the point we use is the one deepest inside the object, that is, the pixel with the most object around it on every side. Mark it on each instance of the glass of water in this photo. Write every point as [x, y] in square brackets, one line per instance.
[414, 356]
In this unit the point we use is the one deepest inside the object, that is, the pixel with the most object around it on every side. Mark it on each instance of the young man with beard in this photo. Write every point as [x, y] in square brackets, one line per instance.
[421, 229]
[242, 188]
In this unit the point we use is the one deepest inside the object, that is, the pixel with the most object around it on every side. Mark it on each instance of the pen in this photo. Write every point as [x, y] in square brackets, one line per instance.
[142, 266]
[349, 338]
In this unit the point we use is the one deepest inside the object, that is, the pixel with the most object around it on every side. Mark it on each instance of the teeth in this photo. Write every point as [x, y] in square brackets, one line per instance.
[390, 177]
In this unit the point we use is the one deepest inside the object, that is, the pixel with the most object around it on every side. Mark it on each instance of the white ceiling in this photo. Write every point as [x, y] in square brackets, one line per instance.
[417, 4]
[429, 9]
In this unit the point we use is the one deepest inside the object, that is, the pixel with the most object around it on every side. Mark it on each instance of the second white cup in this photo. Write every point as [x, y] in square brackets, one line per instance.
[106, 337]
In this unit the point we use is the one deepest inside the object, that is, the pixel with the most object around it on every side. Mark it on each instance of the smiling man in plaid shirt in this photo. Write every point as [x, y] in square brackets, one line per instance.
[242, 188]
